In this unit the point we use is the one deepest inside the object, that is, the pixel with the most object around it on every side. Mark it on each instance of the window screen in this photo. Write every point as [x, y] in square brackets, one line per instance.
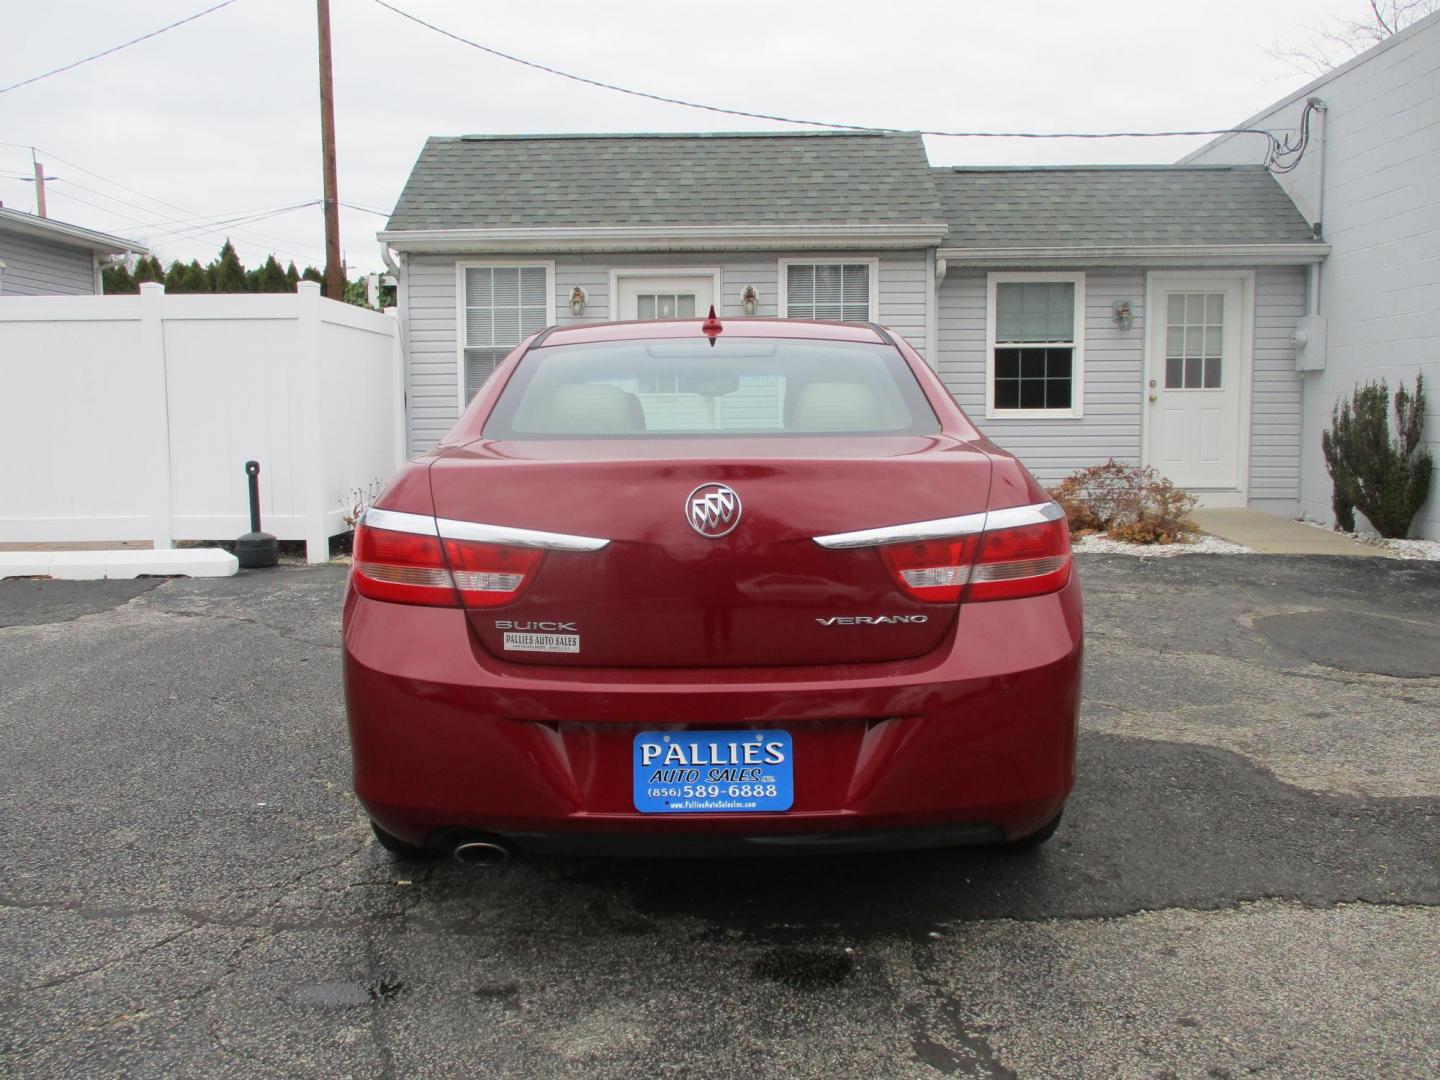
[503, 305]
[1034, 345]
[839, 292]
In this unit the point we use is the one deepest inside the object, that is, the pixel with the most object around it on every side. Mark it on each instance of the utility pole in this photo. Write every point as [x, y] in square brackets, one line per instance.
[334, 269]
[40, 188]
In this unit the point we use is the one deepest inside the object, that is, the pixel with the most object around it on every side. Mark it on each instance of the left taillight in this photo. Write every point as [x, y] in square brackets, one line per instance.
[412, 568]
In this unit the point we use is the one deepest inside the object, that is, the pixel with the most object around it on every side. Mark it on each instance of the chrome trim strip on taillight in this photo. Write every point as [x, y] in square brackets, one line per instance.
[451, 529]
[940, 528]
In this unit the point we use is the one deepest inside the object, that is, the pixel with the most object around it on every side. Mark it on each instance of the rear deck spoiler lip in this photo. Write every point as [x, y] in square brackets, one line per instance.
[1009, 517]
[453, 529]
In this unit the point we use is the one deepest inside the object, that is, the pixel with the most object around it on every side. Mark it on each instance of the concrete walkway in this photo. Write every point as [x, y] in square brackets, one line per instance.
[1279, 536]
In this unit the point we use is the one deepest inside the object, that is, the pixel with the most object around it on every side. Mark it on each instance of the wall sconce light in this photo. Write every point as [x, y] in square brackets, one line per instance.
[1121, 313]
[749, 300]
[577, 301]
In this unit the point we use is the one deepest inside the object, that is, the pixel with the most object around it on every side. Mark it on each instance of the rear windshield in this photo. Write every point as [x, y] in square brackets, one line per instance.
[649, 389]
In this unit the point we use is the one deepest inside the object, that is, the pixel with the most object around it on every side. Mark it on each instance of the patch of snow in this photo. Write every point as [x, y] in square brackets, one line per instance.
[1201, 545]
[1399, 549]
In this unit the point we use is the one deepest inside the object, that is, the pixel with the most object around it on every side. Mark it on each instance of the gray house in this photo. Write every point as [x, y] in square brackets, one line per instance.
[1370, 184]
[44, 257]
[1078, 313]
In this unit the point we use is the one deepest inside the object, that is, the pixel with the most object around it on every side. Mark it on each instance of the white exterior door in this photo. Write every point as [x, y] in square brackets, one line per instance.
[1198, 373]
[663, 295]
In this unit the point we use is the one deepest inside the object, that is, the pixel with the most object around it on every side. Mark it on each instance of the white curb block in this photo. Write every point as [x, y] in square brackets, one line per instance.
[98, 565]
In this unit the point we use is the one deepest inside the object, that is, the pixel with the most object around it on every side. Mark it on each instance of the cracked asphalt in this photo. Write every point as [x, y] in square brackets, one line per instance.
[1246, 882]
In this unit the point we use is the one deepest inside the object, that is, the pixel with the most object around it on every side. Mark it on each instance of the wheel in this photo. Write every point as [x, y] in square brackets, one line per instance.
[1039, 836]
[400, 849]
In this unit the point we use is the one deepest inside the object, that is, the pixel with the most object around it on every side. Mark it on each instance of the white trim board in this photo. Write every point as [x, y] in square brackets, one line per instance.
[665, 237]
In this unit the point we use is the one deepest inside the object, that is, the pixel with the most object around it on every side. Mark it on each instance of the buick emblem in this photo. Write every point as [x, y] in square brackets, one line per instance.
[713, 510]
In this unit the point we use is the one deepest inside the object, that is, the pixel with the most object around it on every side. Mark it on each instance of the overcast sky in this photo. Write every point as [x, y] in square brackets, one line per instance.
[220, 116]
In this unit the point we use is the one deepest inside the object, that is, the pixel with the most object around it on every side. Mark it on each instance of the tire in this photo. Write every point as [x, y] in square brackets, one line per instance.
[400, 850]
[1039, 836]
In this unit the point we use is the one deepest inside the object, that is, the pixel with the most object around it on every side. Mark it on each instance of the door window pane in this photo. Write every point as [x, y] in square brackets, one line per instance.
[1194, 341]
[665, 306]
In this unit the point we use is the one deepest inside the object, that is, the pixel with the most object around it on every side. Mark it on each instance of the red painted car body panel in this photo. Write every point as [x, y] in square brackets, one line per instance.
[967, 718]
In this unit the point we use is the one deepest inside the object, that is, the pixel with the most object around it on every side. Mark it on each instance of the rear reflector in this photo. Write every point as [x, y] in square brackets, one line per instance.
[410, 568]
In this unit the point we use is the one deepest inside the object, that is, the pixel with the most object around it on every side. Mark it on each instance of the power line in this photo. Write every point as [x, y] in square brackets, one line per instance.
[366, 209]
[163, 202]
[116, 48]
[537, 66]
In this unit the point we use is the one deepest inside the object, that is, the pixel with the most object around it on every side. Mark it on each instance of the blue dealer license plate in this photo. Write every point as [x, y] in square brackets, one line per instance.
[713, 772]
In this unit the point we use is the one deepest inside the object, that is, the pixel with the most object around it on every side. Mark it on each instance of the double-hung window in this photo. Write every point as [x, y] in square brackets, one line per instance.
[1035, 366]
[835, 291]
[501, 306]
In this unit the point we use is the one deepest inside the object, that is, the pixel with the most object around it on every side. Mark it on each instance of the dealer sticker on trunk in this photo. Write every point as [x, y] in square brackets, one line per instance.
[551, 643]
[708, 772]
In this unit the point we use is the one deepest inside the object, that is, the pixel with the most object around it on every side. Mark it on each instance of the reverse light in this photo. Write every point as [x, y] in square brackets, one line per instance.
[487, 575]
[411, 568]
[932, 570]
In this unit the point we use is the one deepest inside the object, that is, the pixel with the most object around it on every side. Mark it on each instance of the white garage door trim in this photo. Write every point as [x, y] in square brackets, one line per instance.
[1155, 283]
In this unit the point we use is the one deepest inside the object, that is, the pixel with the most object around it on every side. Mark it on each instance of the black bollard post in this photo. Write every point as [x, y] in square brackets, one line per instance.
[256, 548]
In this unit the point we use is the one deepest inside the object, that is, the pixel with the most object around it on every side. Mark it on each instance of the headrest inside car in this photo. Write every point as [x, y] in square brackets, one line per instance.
[592, 409]
[837, 406]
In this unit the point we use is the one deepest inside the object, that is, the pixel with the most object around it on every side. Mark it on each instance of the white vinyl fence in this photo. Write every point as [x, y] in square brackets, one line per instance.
[130, 418]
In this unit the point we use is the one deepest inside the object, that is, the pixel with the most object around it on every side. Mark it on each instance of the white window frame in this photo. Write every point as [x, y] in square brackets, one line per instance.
[1077, 362]
[461, 265]
[783, 299]
[715, 273]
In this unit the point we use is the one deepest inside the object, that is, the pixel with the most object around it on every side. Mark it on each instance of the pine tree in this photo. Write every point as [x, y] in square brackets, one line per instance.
[117, 281]
[149, 269]
[311, 274]
[195, 278]
[292, 276]
[175, 278]
[1386, 478]
[271, 278]
[228, 271]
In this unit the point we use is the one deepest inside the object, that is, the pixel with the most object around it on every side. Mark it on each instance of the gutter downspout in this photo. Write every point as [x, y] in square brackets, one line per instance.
[1312, 299]
[402, 316]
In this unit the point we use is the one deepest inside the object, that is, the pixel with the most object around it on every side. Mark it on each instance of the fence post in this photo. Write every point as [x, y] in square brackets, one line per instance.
[155, 462]
[311, 481]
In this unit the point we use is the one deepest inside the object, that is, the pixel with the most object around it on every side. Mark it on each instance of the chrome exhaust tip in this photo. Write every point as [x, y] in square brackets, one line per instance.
[482, 852]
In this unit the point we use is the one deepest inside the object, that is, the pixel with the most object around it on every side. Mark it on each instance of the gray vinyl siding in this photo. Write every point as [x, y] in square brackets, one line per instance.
[1114, 394]
[1275, 419]
[1114, 363]
[431, 329]
[38, 267]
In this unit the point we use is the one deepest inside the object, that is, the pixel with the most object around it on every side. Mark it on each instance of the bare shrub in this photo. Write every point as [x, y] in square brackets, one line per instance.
[1126, 502]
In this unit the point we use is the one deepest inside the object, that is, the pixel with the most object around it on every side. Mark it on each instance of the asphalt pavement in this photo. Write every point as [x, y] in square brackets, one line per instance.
[1246, 881]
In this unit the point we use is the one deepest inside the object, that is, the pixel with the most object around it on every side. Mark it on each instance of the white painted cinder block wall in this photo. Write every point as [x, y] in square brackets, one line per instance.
[1380, 286]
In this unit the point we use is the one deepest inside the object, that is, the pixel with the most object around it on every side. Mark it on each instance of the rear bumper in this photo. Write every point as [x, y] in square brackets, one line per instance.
[971, 743]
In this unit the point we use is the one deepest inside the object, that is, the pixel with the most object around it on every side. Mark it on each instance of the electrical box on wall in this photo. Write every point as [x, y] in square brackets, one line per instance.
[1308, 337]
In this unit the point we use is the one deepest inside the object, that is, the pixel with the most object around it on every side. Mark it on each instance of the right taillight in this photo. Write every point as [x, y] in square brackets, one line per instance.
[1024, 560]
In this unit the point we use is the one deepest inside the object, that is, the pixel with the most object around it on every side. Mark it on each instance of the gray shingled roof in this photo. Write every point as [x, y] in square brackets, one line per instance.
[818, 178]
[1116, 206]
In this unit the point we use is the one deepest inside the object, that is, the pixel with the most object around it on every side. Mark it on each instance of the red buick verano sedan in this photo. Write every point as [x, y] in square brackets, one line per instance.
[681, 588]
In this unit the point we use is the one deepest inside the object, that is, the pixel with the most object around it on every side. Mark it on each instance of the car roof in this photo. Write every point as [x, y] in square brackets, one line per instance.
[732, 328]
